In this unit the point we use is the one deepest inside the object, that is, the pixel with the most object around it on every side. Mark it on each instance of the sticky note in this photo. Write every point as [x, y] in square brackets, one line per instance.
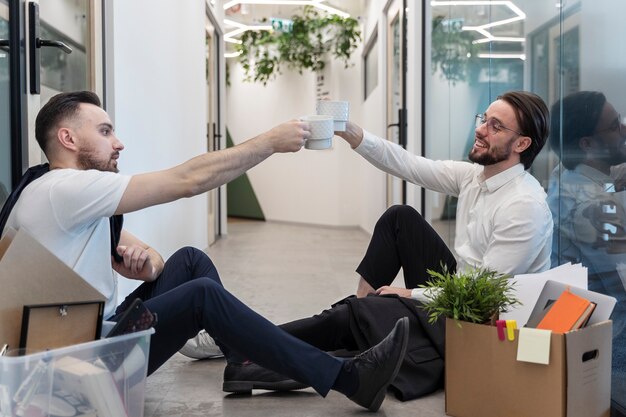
[534, 345]
[511, 325]
[501, 324]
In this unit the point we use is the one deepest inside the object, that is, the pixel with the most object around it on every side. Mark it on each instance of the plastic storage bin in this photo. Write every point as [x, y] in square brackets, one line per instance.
[103, 378]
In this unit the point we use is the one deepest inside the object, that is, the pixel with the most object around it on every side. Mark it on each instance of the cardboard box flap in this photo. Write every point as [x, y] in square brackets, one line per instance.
[6, 240]
[30, 274]
[589, 370]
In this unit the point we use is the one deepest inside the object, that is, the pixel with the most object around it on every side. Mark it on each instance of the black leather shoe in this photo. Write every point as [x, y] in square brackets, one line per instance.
[243, 378]
[378, 366]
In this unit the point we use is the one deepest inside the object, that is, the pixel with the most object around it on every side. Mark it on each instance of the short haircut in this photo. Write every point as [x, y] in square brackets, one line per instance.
[59, 108]
[532, 116]
[580, 113]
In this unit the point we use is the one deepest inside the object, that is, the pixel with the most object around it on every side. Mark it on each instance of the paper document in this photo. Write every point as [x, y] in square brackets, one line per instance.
[529, 286]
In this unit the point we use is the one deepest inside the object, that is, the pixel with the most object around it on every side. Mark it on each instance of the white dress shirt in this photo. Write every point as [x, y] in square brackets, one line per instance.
[572, 194]
[502, 223]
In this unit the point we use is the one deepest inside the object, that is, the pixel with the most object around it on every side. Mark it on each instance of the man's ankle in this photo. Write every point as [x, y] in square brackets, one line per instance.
[347, 381]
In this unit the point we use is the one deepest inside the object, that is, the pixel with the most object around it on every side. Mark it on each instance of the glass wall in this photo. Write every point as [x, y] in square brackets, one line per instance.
[573, 55]
[5, 95]
[67, 21]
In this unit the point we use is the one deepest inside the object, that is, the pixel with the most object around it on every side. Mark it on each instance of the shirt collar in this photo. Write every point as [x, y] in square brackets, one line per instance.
[592, 173]
[498, 180]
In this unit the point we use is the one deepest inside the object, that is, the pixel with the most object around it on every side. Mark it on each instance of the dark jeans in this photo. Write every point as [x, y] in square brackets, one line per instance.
[403, 239]
[188, 296]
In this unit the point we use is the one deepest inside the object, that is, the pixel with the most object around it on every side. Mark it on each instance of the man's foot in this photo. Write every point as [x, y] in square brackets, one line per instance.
[243, 378]
[379, 365]
[201, 347]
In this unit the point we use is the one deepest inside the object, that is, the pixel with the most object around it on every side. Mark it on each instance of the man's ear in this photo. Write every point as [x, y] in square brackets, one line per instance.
[66, 138]
[585, 143]
[523, 143]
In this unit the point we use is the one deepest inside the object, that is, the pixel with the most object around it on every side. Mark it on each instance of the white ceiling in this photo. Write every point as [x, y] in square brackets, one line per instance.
[251, 14]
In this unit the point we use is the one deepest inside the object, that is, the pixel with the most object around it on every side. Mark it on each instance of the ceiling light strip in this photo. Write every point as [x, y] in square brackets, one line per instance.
[501, 56]
[232, 40]
[232, 54]
[315, 3]
[498, 39]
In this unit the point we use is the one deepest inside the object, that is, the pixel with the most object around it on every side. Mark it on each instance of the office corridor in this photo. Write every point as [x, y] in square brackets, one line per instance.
[284, 271]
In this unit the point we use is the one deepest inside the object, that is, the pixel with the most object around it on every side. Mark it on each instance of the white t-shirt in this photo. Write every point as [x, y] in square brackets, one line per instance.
[68, 211]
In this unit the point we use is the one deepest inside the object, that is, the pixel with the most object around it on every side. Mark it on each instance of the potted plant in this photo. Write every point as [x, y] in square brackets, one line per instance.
[312, 37]
[476, 295]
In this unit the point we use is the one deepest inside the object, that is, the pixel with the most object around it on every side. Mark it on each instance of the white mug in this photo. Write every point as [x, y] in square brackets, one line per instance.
[321, 131]
[339, 110]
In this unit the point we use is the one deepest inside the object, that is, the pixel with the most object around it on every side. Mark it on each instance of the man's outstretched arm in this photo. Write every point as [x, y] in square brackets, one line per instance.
[210, 170]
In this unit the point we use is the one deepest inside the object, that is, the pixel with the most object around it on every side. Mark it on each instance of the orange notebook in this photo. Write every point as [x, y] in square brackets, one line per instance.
[565, 313]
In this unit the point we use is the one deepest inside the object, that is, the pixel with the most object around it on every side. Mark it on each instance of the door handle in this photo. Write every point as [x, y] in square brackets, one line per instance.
[402, 126]
[36, 43]
[4, 45]
[56, 44]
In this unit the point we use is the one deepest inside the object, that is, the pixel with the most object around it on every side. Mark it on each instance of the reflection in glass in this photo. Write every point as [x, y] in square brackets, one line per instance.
[587, 196]
[554, 52]
[5, 125]
[61, 71]
[66, 21]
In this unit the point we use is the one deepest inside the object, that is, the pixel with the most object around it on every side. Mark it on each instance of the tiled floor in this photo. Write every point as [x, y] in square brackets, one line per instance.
[284, 272]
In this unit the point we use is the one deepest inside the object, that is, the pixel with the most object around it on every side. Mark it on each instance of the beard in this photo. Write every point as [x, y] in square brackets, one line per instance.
[87, 159]
[492, 155]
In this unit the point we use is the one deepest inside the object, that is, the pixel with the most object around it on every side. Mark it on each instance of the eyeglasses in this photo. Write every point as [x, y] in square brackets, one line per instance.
[616, 127]
[493, 125]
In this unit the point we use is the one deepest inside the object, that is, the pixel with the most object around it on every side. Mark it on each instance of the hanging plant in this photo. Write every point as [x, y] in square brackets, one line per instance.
[312, 36]
[453, 51]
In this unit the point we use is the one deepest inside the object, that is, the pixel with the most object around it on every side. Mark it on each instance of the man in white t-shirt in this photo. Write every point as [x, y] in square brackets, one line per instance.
[502, 223]
[69, 210]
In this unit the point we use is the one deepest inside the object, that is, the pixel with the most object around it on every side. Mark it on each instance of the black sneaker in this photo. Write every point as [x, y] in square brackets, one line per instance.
[243, 378]
[379, 365]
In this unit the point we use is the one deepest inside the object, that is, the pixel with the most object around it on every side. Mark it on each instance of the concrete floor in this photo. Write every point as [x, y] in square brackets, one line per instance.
[284, 272]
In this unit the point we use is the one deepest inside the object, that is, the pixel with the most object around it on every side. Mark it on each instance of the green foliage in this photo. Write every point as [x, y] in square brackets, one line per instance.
[452, 52]
[313, 35]
[475, 295]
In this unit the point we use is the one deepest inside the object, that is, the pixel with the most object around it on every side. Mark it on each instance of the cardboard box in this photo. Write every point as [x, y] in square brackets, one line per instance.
[484, 378]
[30, 274]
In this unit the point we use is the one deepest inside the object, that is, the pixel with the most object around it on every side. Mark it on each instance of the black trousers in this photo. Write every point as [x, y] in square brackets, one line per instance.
[188, 296]
[401, 239]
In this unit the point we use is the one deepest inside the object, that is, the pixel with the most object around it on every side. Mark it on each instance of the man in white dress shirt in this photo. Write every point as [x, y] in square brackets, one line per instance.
[502, 223]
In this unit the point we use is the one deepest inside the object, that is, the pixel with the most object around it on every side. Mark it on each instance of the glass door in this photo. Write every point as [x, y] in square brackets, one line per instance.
[65, 46]
[212, 133]
[214, 61]
[5, 107]
[396, 92]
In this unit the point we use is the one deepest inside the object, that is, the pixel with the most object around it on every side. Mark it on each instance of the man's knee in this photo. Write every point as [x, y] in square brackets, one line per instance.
[189, 252]
[191, 256]
[401, 212]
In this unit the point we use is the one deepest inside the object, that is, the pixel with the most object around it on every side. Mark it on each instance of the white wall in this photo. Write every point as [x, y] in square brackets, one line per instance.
[308, 186]
[157, 102]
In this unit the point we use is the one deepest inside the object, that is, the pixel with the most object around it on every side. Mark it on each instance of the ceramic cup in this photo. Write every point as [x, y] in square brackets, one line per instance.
[321, 131]
[339, 110]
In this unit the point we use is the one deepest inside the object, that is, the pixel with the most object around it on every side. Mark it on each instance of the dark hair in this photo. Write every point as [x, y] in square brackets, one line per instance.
[59, 108]
[532, 116]
[580, 114]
